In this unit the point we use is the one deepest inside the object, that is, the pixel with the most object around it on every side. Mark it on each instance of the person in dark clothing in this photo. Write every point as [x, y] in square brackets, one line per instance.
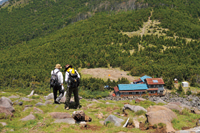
[70, 75]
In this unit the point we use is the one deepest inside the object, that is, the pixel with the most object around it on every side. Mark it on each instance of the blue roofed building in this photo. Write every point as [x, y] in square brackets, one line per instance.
[130, 89]
[142, 86]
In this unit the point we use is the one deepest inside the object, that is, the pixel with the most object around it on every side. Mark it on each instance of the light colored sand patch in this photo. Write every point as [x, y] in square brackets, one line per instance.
[106, 73]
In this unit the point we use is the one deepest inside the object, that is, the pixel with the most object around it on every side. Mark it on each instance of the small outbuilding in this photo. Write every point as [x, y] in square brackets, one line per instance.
[185, 84]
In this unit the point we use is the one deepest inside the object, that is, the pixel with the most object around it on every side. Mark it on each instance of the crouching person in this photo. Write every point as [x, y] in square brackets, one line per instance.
[72, 78]
[56, 82]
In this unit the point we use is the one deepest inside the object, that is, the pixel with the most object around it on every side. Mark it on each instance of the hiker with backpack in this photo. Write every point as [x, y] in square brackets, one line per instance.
[72, 78]
[56, 82]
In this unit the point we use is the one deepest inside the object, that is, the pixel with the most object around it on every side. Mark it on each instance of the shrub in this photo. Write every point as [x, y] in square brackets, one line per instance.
[161, 125]
[140, 112]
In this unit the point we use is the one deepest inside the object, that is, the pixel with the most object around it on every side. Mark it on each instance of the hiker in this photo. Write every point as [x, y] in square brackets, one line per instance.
[72, 78]
[57, 83]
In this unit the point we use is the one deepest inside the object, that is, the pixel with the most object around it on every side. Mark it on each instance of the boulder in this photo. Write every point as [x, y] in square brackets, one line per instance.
[81, 116]
[173, 106]
[60, 115]
[133, 108]
[29, 117]
[6, 103]
[195, 111]
[50, 96]
[6, 112]
[139, 100]
[136, 123]
[117, 121]
[160, 101]
[161, 114]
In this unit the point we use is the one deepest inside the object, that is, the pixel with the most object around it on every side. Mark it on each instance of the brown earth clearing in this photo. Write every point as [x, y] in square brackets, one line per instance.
[105, 73]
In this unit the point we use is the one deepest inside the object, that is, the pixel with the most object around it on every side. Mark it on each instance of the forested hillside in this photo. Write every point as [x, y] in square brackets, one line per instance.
[37, 35]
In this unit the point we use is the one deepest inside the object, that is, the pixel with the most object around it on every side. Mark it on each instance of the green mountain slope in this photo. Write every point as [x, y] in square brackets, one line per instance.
[98, 42]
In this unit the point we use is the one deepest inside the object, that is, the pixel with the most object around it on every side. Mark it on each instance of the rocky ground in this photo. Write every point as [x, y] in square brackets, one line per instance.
[34, 113]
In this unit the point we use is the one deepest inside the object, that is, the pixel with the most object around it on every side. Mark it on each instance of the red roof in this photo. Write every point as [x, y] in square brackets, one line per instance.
[152, 89]
[137, 80]
[116, 89]
[155, 81]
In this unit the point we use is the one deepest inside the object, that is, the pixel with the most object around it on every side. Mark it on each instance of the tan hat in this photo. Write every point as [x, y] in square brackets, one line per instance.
[58, 66]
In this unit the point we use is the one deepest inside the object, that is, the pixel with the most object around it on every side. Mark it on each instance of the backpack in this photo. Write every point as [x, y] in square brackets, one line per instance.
[73, 81]
[54, 80]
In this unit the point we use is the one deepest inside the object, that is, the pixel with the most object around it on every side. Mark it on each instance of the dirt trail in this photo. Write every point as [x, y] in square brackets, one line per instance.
[106, 73]
[146, 24]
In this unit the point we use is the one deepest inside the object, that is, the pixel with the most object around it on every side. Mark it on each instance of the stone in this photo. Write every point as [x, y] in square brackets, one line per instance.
[161, 114]
[66, 120]
[139, 100]
[48, 102]
[20, 103]
[133, 108]
[25, 99]
[173, 106]
[6, 107]
[136, 123]
[81, 116]
[39, 104]
[13, 96]
[60, 115]
[37, 110]
[117, 121]
[50, 96]
[160, 101]
[100, 116]
[29, 117]
[3, 123]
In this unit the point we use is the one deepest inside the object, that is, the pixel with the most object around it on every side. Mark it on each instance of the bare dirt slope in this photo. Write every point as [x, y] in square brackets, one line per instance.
[106, 73]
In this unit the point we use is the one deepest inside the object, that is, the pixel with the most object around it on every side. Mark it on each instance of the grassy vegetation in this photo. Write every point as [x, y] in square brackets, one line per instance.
[44, 122]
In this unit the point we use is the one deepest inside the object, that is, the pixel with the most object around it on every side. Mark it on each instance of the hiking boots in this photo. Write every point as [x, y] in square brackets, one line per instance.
[55, 102]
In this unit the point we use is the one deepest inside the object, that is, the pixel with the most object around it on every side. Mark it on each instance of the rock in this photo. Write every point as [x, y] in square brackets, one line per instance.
[39, 104]
[25, 99]
[160, 101]
[80, 116]
[48, 102]
[133, 108]
[6, 112]
[173, 106]
[6, 103]
[114, 119]
[195, 111]
[109, 103]
[20, 103]
[13, 96]
[101, 122]
[50, 96]
[100, 115]
[31, 94]
[37, 110]
[139, 100]
[29, 117]
[161, 114]
[60, 115]
[28, 106]
[63, 99]
[136, 123]
[66, 120]
[3, 123]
